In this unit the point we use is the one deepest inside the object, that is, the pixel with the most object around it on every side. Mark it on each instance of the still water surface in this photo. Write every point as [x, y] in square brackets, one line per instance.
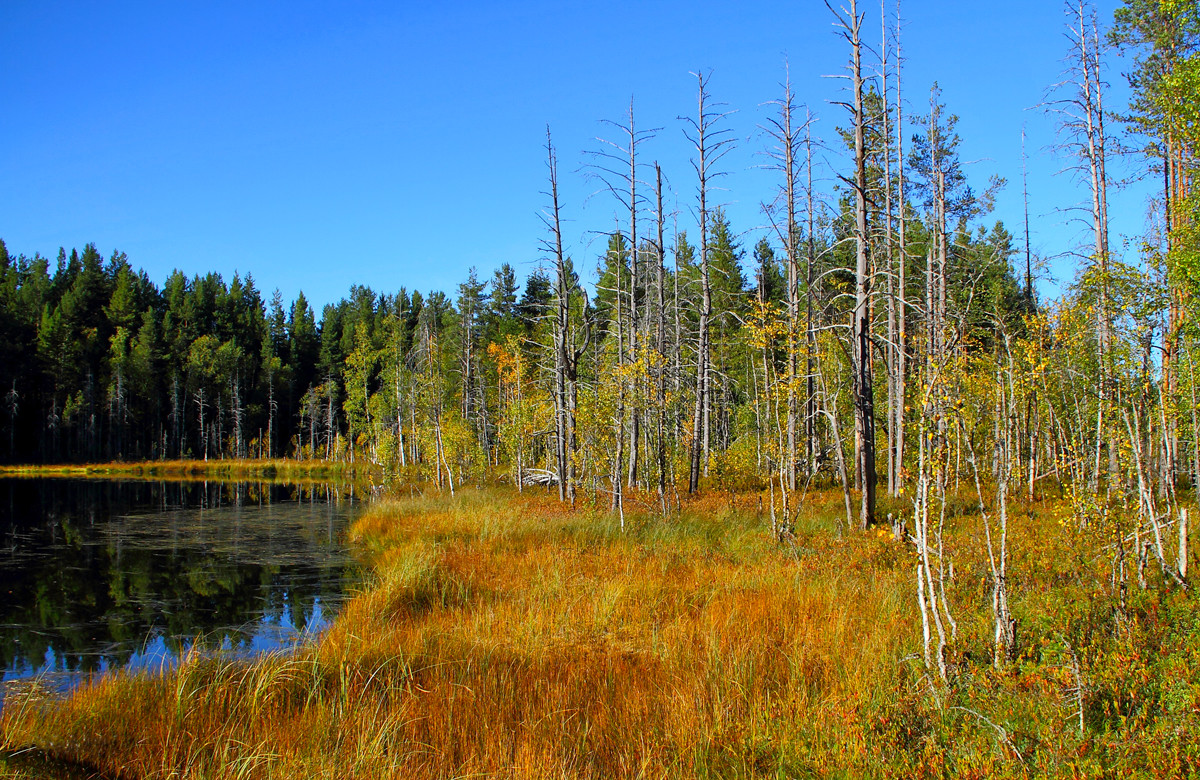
[97, 575]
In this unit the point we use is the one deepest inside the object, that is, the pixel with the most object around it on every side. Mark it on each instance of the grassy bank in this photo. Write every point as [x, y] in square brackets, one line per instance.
[504, 636]
[278, 469]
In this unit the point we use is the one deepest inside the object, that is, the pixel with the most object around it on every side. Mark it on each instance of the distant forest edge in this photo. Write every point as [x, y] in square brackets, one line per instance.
[100, 363]
[888, 312]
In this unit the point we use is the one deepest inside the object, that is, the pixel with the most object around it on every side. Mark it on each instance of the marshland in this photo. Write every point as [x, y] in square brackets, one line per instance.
[771, 426]
[504, 634]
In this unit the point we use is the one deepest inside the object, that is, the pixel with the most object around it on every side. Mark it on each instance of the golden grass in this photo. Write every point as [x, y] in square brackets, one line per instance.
[277, 469]
[504, 636]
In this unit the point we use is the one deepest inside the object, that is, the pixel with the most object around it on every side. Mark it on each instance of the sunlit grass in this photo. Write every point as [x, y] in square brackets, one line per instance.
[276, 469]
[504, 635]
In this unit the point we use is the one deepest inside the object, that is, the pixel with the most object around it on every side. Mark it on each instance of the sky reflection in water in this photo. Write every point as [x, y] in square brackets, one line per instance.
[98, 575]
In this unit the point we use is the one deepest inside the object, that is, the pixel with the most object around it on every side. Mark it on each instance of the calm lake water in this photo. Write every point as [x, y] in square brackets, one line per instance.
[97, 575]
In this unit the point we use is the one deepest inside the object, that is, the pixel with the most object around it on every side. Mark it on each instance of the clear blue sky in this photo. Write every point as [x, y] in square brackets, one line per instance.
[319, 145]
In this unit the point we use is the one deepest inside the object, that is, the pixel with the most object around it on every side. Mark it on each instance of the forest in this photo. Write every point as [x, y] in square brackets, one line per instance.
[884, 345]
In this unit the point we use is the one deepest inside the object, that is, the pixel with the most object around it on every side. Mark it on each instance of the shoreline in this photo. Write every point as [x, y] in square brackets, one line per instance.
[277, 469]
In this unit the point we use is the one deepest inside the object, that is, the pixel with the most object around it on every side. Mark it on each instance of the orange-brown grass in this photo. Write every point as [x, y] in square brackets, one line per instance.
[280, 469]
[504, 636]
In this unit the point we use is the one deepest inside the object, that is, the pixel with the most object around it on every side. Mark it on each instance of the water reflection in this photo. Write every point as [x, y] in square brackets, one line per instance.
[96, 575]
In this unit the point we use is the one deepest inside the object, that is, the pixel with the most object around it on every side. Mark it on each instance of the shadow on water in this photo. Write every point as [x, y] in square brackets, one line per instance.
[98, 575]
[34, 764]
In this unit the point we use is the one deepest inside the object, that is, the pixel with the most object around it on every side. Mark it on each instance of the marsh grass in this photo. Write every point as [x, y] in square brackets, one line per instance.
[278, 469]
[502, 635]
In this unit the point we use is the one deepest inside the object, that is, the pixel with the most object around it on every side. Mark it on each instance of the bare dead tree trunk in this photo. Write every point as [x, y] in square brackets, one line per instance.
[891, 352]
[235, 401]
[1082, 126]
[1030, 438]
[711, 143]
[565, 358]
[787, 140]
[810, 334]
[618, 494]
[902, 310]
[1097, 160]
[660, 342]
[634, 276]
[200, 406]
[861, 359]
[616, 165]
[935, 293]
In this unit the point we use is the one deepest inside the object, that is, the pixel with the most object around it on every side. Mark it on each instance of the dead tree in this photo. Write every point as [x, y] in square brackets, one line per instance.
[862, 390]
[810, 265]
[786, 154]
[1078, 102]
[660, 339]
[1032, 428]
[615, 164]
[566, 354]
[901, 386]
[889, 252]
[711, 143]
[896, 260]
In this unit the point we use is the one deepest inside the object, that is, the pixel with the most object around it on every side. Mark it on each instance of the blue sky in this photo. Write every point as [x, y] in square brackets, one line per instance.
[319, 145]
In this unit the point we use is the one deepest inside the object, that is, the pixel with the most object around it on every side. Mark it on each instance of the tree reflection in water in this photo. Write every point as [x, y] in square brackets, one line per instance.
[96, 575]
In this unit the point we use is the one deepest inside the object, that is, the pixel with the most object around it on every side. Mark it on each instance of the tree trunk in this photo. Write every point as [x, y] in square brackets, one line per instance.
[861, 383]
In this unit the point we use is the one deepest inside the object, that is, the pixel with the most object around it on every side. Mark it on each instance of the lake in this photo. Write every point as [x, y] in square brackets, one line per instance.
[98, 574]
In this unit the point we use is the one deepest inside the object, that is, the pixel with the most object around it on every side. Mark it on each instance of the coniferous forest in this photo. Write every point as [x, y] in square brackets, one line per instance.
[883, 345]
